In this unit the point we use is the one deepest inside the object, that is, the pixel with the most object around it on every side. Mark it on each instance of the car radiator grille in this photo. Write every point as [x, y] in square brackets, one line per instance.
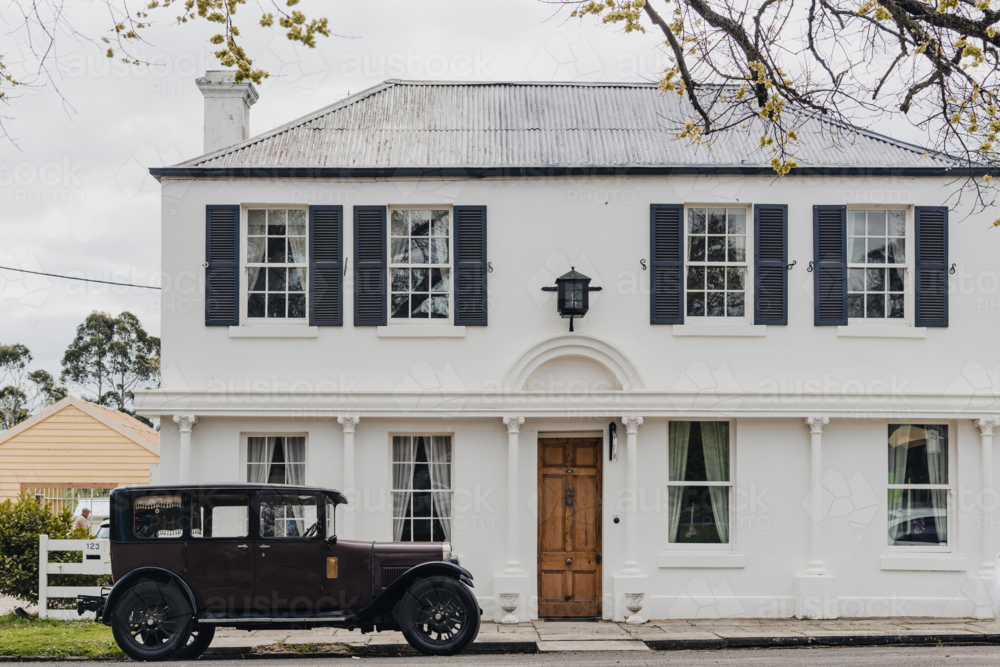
[391, 573]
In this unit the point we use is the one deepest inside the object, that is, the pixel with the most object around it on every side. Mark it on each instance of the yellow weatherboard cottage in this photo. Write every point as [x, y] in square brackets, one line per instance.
[74, 444]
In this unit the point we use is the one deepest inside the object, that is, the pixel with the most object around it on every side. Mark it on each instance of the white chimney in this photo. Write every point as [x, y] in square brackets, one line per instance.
[227, 108]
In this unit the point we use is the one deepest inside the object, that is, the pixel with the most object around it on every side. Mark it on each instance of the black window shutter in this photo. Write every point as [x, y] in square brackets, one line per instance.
[830, 265]
[666, 248]
[222, 275]
[770, 261]
[470, 266]
[370, 298]
[326, 236]
[931, 239]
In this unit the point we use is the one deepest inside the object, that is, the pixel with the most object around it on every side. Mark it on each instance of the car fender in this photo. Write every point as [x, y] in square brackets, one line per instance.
[123, 584]
[387, 598]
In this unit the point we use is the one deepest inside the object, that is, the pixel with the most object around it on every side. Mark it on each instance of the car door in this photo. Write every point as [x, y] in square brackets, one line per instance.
[288, 553]
[347, 585]
[218, 557]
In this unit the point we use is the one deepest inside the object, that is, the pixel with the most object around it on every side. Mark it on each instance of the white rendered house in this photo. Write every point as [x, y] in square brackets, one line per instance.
[781, 401]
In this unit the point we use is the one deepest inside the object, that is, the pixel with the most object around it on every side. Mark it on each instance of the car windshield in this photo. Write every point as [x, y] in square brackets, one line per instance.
[102, 532]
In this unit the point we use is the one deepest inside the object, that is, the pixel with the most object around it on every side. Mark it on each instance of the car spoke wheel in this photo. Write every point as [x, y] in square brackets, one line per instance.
[439, 616]
[152, 620]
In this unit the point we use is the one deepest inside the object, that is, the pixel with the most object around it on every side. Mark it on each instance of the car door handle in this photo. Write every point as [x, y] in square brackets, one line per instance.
[265, 546]
[242, 546]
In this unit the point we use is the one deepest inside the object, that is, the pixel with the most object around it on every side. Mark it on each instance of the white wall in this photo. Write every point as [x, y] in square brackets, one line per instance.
[537, 227]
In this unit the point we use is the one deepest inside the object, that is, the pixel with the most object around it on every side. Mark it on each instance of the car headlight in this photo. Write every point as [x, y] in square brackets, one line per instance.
[446, 547]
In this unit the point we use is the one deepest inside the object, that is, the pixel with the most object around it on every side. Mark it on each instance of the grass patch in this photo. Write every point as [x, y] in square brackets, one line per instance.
[55, 639]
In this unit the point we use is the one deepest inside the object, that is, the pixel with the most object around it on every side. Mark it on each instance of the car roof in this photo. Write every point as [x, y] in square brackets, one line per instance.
[337, 497]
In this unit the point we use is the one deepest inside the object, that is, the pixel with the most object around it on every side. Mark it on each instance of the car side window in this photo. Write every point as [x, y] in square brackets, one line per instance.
[331, 519]
[288, 515]
[220, 515]
[157, 516]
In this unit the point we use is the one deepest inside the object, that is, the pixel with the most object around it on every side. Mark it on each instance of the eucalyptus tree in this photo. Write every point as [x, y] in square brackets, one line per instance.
[23, 391]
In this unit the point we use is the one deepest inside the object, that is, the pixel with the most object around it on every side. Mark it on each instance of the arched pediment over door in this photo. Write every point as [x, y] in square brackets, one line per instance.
[573, 362]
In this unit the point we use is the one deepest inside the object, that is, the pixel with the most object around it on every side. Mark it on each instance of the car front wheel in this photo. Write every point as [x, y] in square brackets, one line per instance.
[152, 620]
[439, 616]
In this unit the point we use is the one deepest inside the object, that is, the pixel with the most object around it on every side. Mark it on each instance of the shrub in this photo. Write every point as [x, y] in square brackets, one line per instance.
[21, 523]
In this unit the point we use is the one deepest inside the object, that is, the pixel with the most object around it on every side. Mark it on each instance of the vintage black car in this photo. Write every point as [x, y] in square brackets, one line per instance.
[188, 559]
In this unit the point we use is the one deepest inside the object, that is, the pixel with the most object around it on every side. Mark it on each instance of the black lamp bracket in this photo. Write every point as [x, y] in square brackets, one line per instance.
[553, 288]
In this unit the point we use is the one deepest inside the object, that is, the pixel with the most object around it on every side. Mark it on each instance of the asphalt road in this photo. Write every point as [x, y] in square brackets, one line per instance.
[964, 656]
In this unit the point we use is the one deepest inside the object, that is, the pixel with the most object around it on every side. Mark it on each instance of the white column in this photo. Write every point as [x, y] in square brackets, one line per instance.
[349, 423]
[631, 452]
[816, 424]
[513, 425]
[185, 422]
[988, 495]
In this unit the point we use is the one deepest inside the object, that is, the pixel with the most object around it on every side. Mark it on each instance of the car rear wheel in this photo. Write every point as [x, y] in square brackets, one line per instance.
[201, 637]
[152, 620]
[439, 616]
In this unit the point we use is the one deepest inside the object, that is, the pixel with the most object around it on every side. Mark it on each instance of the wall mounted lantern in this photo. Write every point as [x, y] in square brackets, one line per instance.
[574, 294]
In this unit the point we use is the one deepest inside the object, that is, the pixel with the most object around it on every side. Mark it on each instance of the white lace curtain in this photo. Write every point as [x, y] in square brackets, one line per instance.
[264, 454]
[439, 460]
[403, 454]
[437, 454]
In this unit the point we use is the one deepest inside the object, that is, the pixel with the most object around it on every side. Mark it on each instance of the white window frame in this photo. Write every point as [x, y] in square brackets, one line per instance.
[428, 321]
[908, 295]
[245, 273]
[729, 547]
[951, 487]
[749, 296]
[454, 448]
[245, 451]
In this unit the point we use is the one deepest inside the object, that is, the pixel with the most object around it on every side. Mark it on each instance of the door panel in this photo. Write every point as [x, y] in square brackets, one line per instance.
[289, 555]
[569, 528]
[221, 573]
[219, 559]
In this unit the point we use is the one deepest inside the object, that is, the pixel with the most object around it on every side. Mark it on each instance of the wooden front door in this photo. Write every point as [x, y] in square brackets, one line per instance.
[569, 527]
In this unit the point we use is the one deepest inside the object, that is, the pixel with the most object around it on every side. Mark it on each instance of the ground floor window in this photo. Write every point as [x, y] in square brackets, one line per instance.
[918, 485]
[699, 482]
[276, 460]
[421, 488]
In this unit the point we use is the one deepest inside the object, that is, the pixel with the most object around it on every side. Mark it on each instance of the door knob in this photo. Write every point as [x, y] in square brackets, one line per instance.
[569, 561]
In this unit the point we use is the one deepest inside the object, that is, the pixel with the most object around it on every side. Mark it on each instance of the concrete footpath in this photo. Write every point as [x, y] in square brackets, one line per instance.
[554, 636]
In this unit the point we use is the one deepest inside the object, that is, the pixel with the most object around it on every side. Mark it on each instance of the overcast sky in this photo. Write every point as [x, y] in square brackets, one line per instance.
[76, 198]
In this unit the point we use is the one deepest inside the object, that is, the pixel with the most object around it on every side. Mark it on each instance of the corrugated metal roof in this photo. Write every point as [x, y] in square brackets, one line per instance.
[442, 125]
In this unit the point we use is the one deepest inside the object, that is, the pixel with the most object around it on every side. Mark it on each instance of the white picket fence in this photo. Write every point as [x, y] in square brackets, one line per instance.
[96, 560]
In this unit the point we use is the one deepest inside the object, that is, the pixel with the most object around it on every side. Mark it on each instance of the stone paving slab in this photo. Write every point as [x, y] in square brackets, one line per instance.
[590, 645]
[570, 631]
